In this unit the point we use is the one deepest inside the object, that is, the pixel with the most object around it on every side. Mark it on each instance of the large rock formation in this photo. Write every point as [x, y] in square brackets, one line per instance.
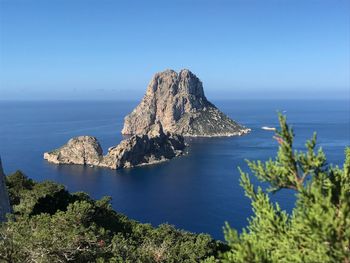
[4, 198]
[154, 147]
[177, 101]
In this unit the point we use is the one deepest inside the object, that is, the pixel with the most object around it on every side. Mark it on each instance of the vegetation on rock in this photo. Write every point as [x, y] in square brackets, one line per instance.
[177, 101]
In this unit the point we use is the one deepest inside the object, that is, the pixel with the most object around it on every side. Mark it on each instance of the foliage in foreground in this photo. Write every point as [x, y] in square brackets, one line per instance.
[52, 225]
[318, 229]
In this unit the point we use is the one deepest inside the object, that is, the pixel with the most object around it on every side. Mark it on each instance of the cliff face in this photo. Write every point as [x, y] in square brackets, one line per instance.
[4, 198]
[154, 147]
[177, 101]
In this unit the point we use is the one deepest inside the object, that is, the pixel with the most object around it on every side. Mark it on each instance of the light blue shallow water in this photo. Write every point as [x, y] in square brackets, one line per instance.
[197, 192]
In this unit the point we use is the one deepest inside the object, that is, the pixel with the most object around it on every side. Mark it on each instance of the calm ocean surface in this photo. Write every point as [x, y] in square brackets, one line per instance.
[197, 192]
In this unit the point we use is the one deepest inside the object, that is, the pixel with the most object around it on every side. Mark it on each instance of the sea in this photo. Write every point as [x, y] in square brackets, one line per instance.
[198, 192]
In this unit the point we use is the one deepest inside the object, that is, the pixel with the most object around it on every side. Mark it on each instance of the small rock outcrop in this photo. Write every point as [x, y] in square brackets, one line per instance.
[78, 150]
[154, 147]
[177, 101]
[4, 198]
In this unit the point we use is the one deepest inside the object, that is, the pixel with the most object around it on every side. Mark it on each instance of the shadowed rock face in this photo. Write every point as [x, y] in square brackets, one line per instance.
[154, 147]
[177, 101]
[4, 198]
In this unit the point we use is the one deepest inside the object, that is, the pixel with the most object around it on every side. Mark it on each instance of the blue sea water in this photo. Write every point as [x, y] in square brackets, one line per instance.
[197, 192]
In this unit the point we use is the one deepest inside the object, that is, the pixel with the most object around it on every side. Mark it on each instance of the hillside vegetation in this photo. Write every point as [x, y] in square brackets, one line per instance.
[50, 224]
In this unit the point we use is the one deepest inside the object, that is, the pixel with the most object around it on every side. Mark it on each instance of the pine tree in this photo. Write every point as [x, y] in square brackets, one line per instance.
[317, 230]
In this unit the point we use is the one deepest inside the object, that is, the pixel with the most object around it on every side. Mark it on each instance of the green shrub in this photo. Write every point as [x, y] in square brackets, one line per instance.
[318, 229]
[52, 225]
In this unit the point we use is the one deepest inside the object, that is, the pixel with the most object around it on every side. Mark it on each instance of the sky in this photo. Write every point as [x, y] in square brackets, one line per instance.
[240, 49]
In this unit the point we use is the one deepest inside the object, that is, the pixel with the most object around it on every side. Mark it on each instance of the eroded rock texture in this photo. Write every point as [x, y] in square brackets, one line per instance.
[177, 101]
[78, 150]
[154, 147]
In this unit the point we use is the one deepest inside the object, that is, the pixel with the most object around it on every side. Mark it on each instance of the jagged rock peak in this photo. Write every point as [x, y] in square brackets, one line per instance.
[178, 102]
[184, 82]
[4, 198]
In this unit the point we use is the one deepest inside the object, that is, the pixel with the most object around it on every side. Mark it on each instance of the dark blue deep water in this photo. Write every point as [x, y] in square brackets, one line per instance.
[197, 192]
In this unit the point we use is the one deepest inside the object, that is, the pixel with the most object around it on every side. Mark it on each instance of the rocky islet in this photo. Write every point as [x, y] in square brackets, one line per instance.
[153, 147]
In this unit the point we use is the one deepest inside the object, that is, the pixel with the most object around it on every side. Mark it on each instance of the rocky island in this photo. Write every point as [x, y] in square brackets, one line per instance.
[4, 198]
[154, 147]
[177, 101]
[174, 106]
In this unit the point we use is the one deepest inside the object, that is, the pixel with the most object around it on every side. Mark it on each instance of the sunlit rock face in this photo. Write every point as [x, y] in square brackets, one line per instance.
[78, 150]
[177, 101]
[4, 198]
[153, 147]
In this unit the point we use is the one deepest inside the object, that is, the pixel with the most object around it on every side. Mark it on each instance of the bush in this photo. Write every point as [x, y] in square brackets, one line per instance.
[318, 229]
[52, 225]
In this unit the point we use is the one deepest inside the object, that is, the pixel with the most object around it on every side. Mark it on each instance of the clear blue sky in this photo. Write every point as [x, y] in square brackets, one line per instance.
[72, 49]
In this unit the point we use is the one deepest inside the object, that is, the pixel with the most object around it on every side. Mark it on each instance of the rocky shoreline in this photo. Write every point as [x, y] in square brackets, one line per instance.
[138, 150]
